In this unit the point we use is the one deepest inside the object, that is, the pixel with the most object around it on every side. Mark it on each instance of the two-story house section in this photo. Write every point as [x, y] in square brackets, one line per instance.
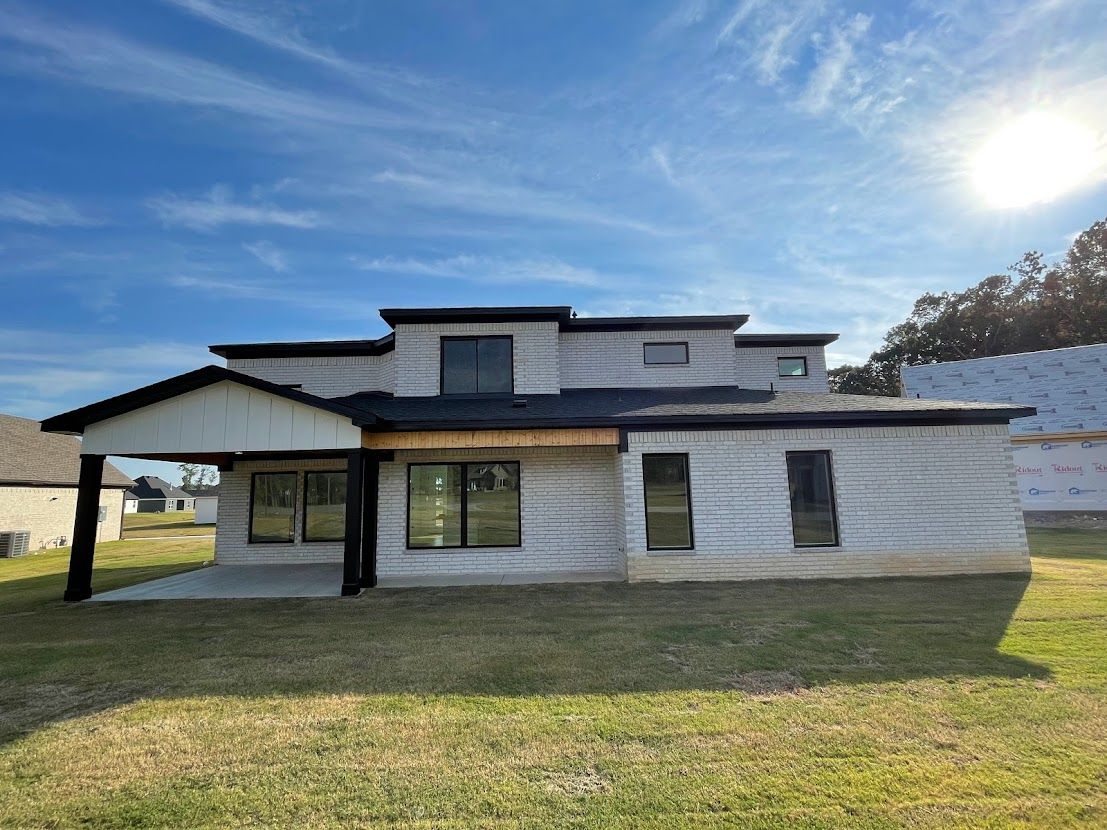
[527, 444]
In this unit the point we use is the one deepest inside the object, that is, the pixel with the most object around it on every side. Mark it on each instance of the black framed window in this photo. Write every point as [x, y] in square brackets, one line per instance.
[324, 506]
[463, 505]
[661, 354]
[811, 490]
[791, 367]
[476, 365]
[668, 501]
[272, 507]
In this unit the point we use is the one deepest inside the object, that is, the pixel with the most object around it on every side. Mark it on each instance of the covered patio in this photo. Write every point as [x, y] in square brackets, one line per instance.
[220, 417]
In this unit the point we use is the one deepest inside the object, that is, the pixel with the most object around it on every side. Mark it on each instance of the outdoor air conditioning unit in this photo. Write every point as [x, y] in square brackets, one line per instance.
[14, 543]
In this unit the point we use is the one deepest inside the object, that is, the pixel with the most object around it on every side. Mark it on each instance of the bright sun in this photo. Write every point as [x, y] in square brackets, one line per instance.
[1034, 159]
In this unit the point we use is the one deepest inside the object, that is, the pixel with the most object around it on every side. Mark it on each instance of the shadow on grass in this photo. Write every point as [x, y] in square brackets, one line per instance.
[60, 661]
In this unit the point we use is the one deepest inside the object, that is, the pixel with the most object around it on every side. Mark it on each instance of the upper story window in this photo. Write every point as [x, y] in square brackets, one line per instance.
[476, 366]
[791, 367]
[660, 354]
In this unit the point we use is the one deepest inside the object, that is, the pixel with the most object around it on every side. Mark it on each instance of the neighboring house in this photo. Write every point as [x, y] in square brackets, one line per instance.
[207, 504]
[1060, 454]
[156, 495]
[476, 442]
[38, 486]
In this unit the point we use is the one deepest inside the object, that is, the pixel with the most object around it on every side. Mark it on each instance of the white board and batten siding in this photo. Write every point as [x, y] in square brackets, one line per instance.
[223, 417]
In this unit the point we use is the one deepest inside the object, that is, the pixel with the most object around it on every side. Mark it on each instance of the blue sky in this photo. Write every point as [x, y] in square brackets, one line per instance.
[187, 172]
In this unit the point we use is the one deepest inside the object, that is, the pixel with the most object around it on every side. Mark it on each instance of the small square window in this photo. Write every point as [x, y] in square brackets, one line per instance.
[791, 367]
[660, 354]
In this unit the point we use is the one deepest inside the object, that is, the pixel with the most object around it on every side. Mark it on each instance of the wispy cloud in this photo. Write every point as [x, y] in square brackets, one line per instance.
[102, 59]
[218, 208]
[485, 269]
[268, 254]
[42, 209]
[339, 302]
[835, 54]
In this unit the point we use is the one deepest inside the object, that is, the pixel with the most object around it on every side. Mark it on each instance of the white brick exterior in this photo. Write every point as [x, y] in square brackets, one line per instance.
[614, 358]
[48, 513]
[232, 545]
[534, 353]
[328, 377]
[568, 502]
[756, 368]
[896, 496]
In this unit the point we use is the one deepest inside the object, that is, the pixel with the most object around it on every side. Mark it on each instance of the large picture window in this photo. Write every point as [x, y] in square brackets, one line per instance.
[668, 502]
[664, 354]
[791, 367]
[811, 489]
[476, 366]
[324, 506]
[463, 505]
[272, 507]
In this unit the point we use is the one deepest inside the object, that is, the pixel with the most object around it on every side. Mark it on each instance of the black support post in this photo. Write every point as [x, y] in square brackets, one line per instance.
[79, 586]
[351, 556]
[369, 522]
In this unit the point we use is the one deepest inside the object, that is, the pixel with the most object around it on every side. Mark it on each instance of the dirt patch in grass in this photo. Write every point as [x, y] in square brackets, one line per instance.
[577, 783]
[767, 683]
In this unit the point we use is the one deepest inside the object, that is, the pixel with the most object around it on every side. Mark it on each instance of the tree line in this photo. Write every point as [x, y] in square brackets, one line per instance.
[1033, 306]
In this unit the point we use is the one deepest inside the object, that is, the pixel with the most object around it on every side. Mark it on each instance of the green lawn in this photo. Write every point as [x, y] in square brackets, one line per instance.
[963, 702]
[173, 523]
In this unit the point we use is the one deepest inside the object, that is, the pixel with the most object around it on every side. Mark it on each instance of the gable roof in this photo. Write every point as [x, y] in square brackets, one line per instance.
[152, 487]
[30, 456]
[75, 421]
[668, 407]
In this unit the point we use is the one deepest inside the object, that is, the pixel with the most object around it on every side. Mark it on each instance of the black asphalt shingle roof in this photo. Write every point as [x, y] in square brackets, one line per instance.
[666, 407]
[152, 487]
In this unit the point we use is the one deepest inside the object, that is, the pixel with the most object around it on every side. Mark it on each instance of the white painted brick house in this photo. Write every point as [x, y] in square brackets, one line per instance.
[528, 444]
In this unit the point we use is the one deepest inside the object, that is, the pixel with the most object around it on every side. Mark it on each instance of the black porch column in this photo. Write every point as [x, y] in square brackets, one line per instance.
[84, 529]
[351, 556]
[369, 521]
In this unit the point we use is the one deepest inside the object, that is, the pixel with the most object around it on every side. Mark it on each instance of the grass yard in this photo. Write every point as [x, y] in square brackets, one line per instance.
[963, 702]
[173, 523]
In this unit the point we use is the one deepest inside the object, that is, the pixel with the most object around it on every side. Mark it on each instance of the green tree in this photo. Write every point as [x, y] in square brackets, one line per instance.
[1032, 307]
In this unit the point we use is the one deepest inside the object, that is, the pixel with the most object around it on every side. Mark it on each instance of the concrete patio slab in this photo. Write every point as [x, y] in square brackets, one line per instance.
[236, 582]
[448, 580]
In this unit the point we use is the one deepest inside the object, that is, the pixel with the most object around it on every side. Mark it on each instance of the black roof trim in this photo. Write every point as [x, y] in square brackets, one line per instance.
[309, 348]
[704, 422]
[785, 340]
[477, 314]
[75, 421]
[729, 322]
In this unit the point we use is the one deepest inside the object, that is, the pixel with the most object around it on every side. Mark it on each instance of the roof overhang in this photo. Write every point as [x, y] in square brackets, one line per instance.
[476, 314]
[75, 421]
[785, 340]
[725, 322]
[309, 348]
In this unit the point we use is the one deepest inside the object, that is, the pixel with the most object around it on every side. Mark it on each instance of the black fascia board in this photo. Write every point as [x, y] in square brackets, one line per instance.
[785, 340]
[729, 322]
[757, 421]
[476, 314]
[75, 421]
[311, 348]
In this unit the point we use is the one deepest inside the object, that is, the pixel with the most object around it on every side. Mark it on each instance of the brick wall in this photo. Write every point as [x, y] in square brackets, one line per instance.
[231, 530]
[567, 498]
[614, 358]
[534, 355]
[756, 368]
[911, 500]
[328, 377]
[48, 512]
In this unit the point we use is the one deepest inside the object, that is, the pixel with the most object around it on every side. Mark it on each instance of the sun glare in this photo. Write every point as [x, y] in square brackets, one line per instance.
[1034, 159]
